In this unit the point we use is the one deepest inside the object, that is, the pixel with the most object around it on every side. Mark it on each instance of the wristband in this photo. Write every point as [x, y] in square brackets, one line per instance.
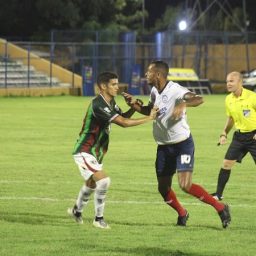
[223, 135]
[179, 101]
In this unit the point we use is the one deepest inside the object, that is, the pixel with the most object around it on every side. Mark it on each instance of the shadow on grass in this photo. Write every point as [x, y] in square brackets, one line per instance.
[33, 218]
[167, 225]
[147, 251]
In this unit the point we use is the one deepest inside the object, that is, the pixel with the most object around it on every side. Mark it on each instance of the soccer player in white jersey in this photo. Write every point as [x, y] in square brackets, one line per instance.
[175, 150]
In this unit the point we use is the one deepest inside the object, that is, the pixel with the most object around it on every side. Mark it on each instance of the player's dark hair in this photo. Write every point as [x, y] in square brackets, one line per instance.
[105, 77]
[161, 66]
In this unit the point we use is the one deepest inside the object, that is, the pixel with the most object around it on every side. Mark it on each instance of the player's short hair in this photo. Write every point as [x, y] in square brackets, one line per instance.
[105, 77]
[161, 66]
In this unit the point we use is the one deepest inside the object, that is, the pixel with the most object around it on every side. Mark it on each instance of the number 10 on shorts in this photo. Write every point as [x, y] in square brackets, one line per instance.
[185, 159]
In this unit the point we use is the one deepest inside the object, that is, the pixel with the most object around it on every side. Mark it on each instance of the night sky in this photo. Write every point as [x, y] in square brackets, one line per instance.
[156, 8]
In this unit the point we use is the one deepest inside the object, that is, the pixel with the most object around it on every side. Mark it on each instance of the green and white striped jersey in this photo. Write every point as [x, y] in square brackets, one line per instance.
[94, 135]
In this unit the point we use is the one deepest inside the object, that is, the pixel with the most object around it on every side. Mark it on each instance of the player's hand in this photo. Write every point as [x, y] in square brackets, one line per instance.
[254, 137]
[178, 111]
[130, 101]
[153, 113]
[222, 140]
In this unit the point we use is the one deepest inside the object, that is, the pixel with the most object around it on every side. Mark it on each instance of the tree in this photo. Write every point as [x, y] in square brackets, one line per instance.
[36, 18]
[168, 20]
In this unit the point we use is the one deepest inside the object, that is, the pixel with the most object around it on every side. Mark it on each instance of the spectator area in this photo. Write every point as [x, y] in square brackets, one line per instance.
[25, 73]
[16, 74]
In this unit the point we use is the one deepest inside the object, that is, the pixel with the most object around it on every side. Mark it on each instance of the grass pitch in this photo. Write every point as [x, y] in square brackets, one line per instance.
[39, 181]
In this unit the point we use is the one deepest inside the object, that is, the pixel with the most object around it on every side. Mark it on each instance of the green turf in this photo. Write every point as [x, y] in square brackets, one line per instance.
[39, 181]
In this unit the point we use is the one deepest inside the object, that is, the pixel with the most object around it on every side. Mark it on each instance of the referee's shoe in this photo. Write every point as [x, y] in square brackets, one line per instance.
[217, 196]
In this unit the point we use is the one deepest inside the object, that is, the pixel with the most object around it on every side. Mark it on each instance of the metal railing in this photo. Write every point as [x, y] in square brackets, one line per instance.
[212, 55]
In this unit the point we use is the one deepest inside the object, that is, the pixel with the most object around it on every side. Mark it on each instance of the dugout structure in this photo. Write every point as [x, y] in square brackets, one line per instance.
[188, 78]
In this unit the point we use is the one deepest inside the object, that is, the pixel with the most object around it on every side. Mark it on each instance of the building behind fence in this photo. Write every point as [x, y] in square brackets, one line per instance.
[211, 54]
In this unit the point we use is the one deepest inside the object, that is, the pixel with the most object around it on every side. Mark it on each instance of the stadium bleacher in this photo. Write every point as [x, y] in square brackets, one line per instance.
[202, 86]
[16, 74]
[187, 77]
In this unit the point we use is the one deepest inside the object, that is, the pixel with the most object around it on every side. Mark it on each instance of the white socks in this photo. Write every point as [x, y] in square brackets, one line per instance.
[83, 197]
[100, 195]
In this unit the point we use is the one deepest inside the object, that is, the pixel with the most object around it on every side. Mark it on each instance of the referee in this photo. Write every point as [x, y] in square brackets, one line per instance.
[241, 111]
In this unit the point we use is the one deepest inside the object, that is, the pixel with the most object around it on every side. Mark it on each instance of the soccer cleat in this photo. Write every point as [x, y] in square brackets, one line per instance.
[217, 197]
[225, 216]
[100, 224]
[182, 220]
[77, 216]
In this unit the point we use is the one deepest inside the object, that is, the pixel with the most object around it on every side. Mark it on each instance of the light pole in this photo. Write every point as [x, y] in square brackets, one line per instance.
[246, 36]
[143, 18]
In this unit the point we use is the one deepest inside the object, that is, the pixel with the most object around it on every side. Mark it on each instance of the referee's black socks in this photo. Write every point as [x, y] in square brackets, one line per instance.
[223, 178]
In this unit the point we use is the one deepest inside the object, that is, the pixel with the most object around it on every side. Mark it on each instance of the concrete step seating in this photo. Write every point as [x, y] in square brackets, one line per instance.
[16, 74]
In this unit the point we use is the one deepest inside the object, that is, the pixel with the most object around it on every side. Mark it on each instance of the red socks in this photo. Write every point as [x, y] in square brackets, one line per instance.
[196, 191]
[204, 196]
[172, 200]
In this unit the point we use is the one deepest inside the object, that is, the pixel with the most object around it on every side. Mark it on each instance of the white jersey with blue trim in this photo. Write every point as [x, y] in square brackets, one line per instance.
[165, 129]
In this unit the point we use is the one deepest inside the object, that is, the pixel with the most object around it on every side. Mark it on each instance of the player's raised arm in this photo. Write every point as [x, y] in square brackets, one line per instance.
[192, 99]
[137, 104]
[128, 122]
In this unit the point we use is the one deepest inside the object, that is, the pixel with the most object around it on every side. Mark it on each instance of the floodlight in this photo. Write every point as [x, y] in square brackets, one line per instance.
[182, 25]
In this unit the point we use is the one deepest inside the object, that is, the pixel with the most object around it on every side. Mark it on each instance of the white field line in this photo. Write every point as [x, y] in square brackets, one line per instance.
[230, 184]
[47, 199]
[3, 198]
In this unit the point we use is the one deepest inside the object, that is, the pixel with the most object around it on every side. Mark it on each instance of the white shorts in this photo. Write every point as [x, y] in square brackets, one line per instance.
[87, 164]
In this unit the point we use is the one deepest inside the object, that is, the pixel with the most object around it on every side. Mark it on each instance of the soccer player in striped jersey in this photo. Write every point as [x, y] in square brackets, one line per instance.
[175, 151]
[92, 145]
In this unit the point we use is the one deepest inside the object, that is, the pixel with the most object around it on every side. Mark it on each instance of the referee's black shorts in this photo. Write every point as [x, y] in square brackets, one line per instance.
[241, 144]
